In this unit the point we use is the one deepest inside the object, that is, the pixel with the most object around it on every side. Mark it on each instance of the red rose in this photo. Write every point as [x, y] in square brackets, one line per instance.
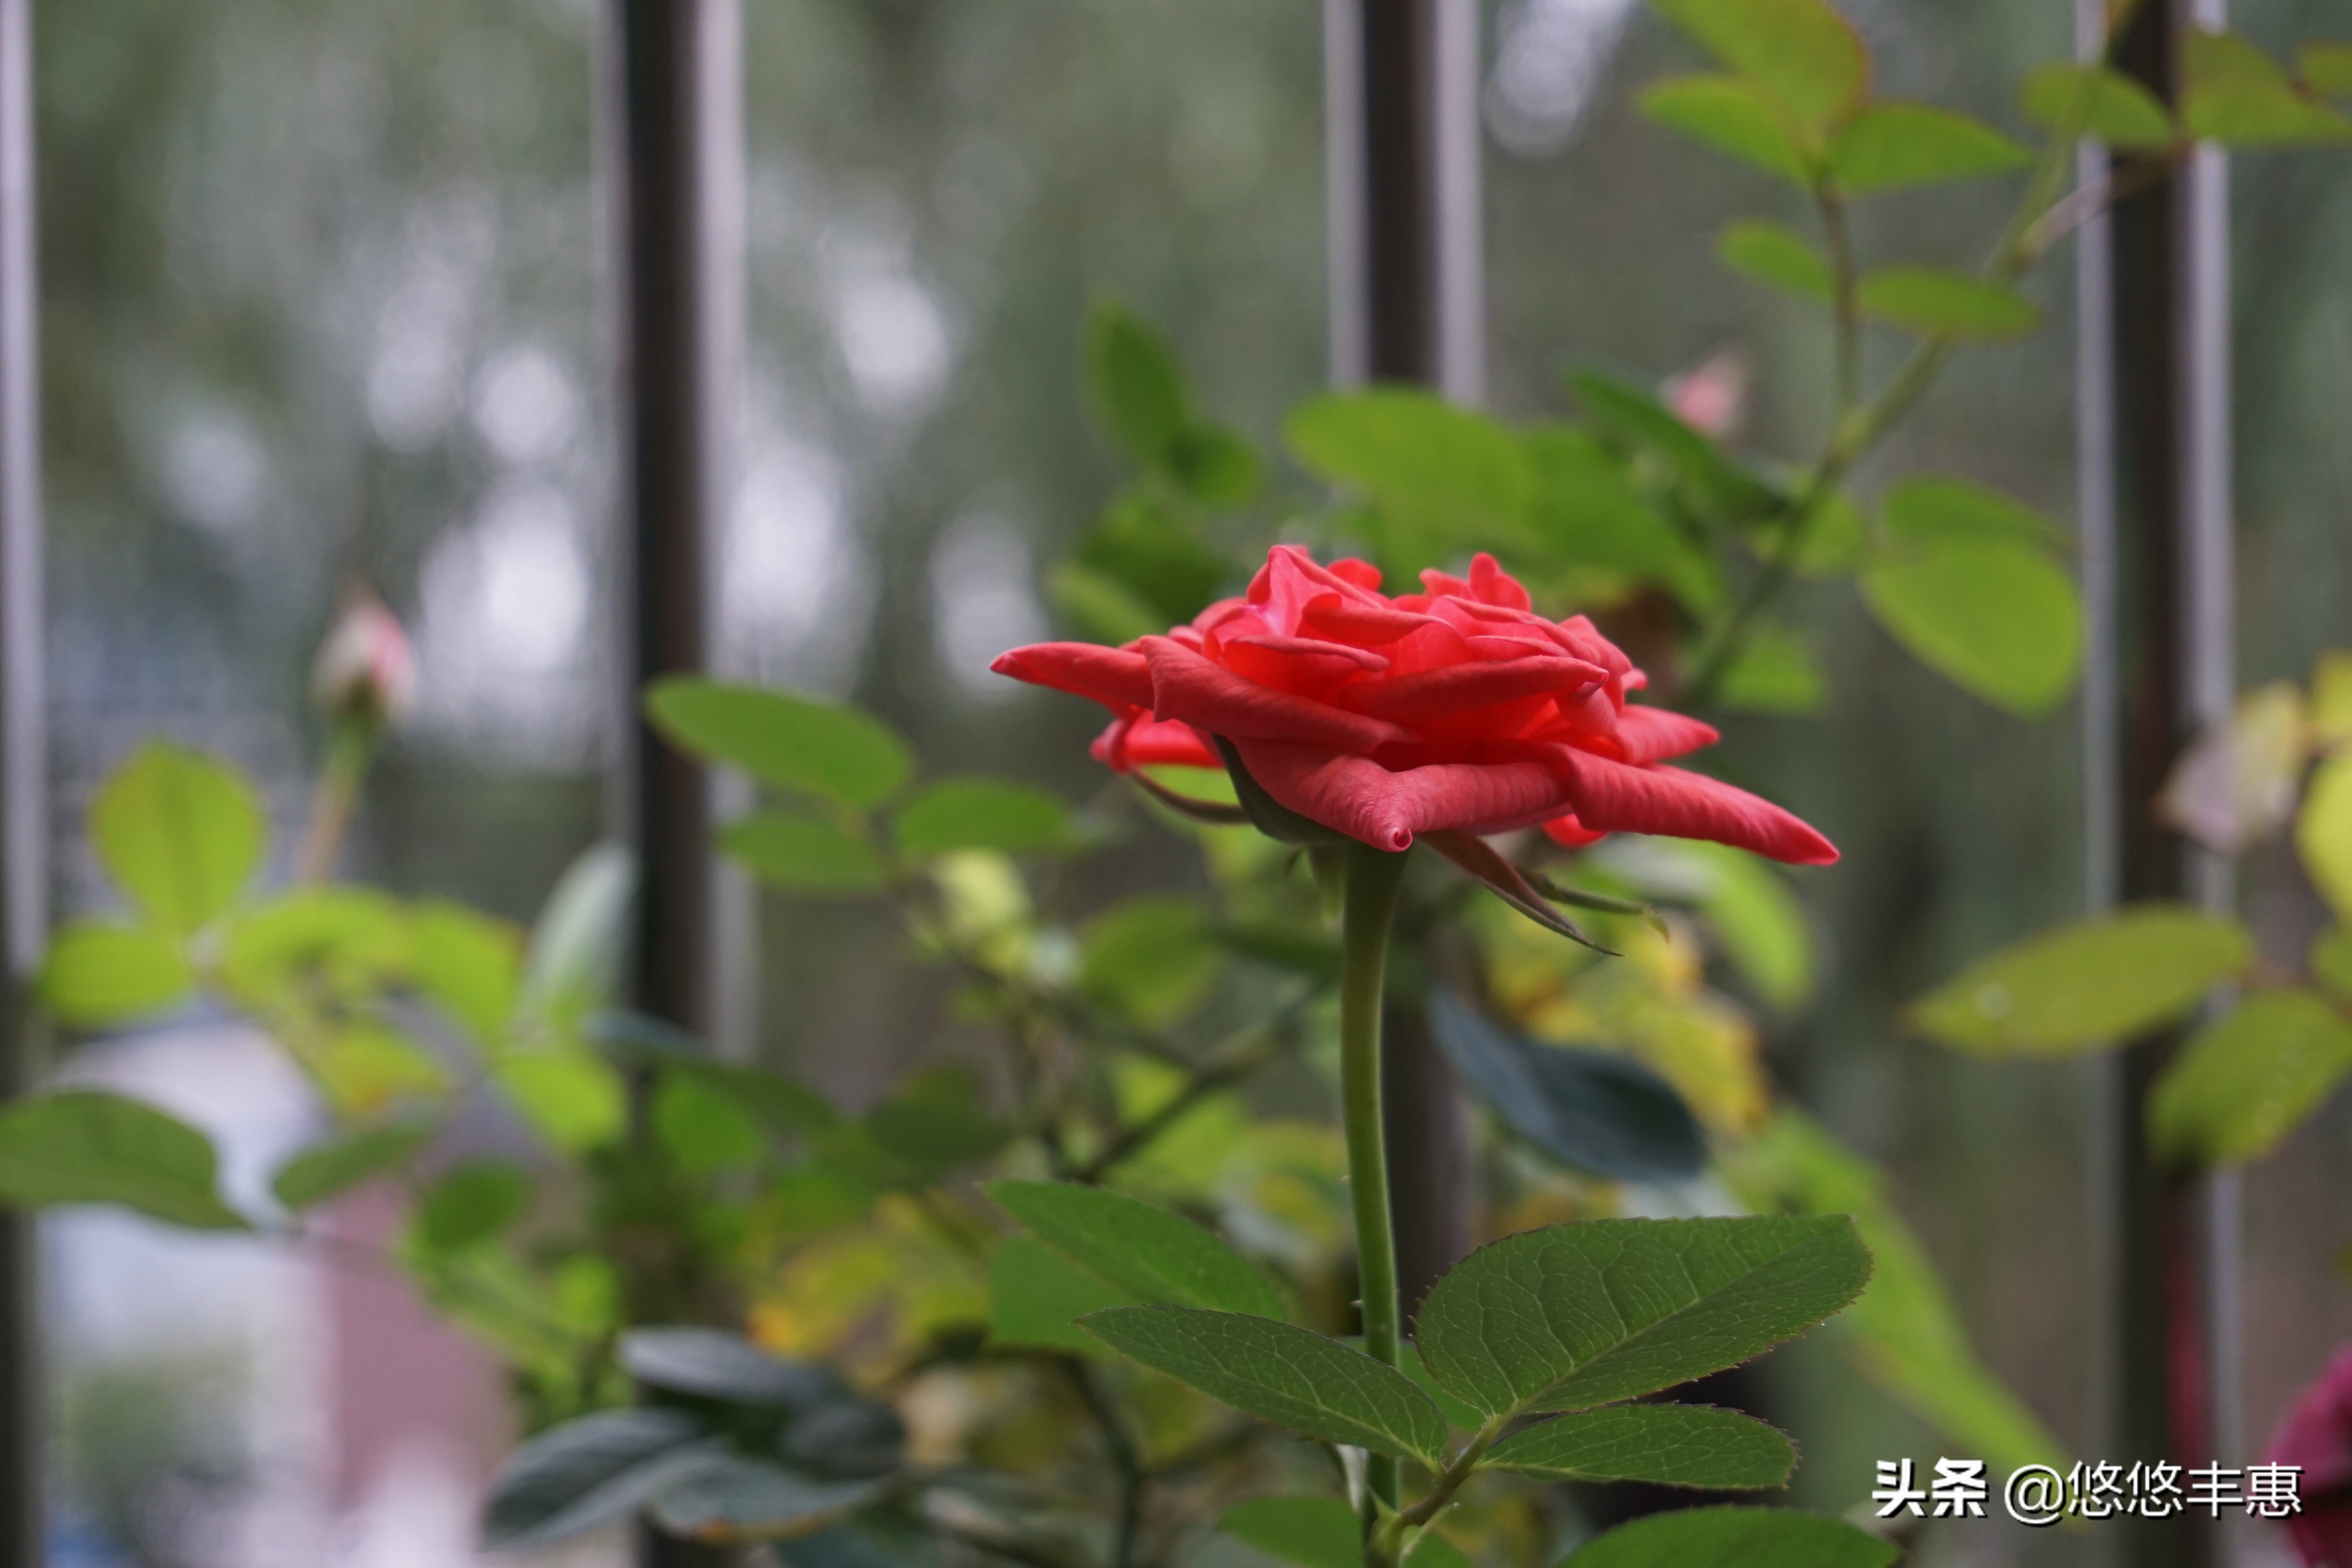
[1458, 708]
[2316, 1437]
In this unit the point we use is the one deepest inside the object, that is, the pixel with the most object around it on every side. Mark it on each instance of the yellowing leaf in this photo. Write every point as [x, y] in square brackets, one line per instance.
[2243, 1083]
[2331, 700]
[2236, 783]
[570, 1097]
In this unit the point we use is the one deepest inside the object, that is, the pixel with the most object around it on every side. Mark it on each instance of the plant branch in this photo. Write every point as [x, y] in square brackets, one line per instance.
[1845, 294]
[1124, 1460]
[1373, 878]
[1260, 1043]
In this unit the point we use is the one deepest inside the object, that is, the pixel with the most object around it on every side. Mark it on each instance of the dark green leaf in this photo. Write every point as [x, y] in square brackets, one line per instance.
[1736, 1538]
[789, 742]
[1036, 1297]
[720, 1497]
[330, 1169]
[1150, 960]
[1149, 1252]
[705, 1130]
[1775, 254]
[1483, 861]
[1598, 1111]
[1734, 117]
[711, 1363]
[1998, 620]
[469, 963]
[1667, 1444]
[2245, 1081]
[1311, 1531]
[804, 854]
[95, 976]
[2070, 99]
[470, 1202]
[83, 1146]
[2238, 96]
[1890, 146]
[1280, 1373]
[1802, 52]
[936, 1122]
[1935, 302]
[2097, 982]
[181, 833]
[590, 1472]
[983, 813]
[1137, 390]
[1578, 1315]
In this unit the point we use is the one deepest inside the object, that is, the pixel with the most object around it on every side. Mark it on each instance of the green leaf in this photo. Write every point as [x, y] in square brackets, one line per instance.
[1775, 673]
[2323, 833]
[569, 1097]
[1935, 301]
[2245, 1081]
[83, 1146]
[936, 1122]
[1667, 1444]
[1037, 1295]
[469, 963]
[1443, 473]
[704, 1130]
[1280, 1373]
[1100, 607]
[1998, 620]
[1932, 509]
[1904, 1332]
[2238, 96]
[2070, 100]
[365, 1065]
[1632, 413]
[341, 942]
[2325, 66]
[181, 833]
[2331, 960]
[1597, 1112]
[1584, 1314]
[1734, 117]
[1776, 254]
[712, 1363]
[1802, 52]
[2097, 982]
[1585, 507]
[785, 741]
[1758, 923]
[590, 1472]
[96, 975]
[335, 1167]
[1147, 1251]
[983, 813]
[1149, 959]
[1216, 466]
[804, 855]
[1736, 1538]
[1143, 550]
[1311, 1531]
[730, 1496]
[1133, 380]
[470, 1202]
[574, 958]
[1892, 146]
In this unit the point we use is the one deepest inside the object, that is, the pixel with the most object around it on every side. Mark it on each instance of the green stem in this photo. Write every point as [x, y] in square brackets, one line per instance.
[1373, 878]
[349, 751]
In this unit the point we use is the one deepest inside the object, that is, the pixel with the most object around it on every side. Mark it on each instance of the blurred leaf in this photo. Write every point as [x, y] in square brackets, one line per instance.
[1998, 620]
[1217, 466]
[705, 1131]
[1149, 554]
[1775, 672]
[2331, 960]
[1905, 1331]
[2323, 833]
[783, 1102]
[2096, 983]
[1688, 1297]
[1283, 944]
[1035, 1295]
[365, 1065]
[470, 1202]
[1734, 117]
[936, 1122]
[84, 1146]
[1802, 52]
[1100, 606]
[1149, 959]
[569, 1097]
[804, 855]
[574, 957]
[2236, 783]
[1597, 1112]
[2331, 700]
[1736, 1538]
[789, 742]
[1935, 301]
[1447, 473]
[179, 832]
[1280, 1373]
[1147, 1251]
[1932, 509]
[347, 943]
[329, 1170]
[1133, 380]
[1776, 254]
[2325, 66]
[983, 813]
[1311, 1531]
[593, 1471]
[1890, 146]
[712, 1363]
[1667, 1444]
[96, 976]
[2242, 1083]
[469, 963]
[729, 1497]
[1585, 507]
[1634, 416]
[1758, 923]
[2238, 96]
[2070, 100]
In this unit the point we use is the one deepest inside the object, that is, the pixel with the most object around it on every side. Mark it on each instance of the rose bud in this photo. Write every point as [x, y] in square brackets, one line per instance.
[1711, 397]
[2316, 1437]
[365, 668]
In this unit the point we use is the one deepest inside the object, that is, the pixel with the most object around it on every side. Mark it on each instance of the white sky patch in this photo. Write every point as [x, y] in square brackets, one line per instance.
[983, 600]
[1550, 59]
[526, 405]
[797, 589]
[893, 338]
[216, 472]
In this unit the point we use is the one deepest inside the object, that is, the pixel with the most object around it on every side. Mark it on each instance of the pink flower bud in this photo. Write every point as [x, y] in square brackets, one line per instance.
[365, 667]
[1711, 397]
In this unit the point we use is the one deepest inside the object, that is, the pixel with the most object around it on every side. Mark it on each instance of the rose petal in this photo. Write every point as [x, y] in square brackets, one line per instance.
[1494, 585]
[1385, 810]
[1448, 692]
[1570, 834]
[1142, 742]
[1346, 620]
[1113, 677]
[1614, 797]
[1217, 702]
[1297, 664]
[1363, 574]
[1654, 734]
